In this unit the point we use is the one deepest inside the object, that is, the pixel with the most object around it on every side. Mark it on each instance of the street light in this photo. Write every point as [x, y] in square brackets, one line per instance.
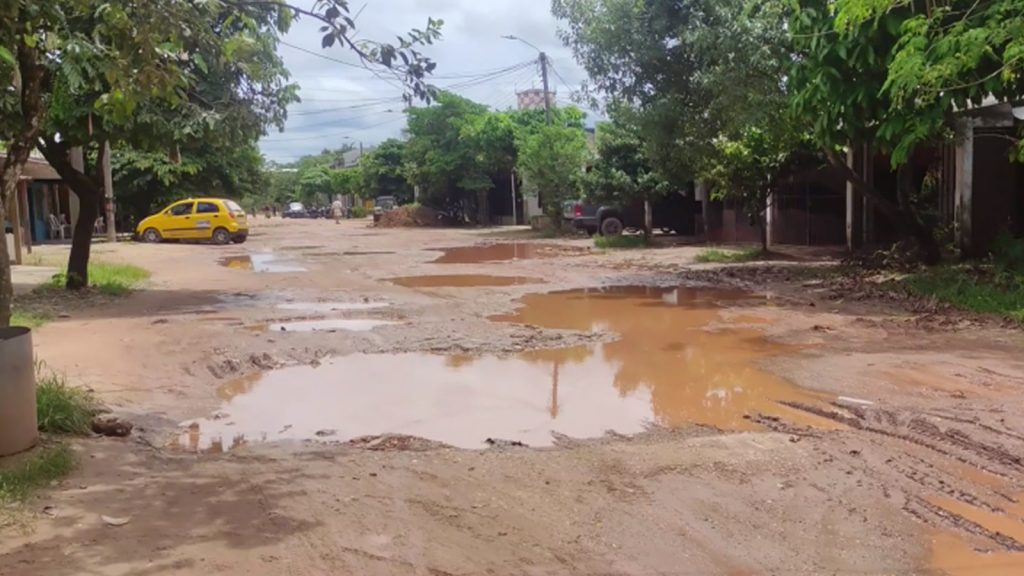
[512, 37]
[543, 71]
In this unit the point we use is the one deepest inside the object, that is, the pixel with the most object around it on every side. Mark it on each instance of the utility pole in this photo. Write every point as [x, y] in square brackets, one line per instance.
[544, 75]
[515, 219]
[108, 194]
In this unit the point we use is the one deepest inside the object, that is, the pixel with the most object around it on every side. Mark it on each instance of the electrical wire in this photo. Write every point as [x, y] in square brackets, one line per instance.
[342, 134]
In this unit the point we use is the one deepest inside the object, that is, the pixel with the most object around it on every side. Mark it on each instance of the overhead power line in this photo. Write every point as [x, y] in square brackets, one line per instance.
[335, 135]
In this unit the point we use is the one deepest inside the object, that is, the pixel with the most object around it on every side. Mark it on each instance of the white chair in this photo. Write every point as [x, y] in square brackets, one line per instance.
[57, 229]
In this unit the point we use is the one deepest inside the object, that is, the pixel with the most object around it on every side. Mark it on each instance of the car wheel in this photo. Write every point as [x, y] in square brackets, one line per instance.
[221, 236]
[611, 226]
[152, 235]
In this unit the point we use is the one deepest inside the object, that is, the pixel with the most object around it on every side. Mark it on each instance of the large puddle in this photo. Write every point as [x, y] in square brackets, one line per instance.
[668, 368]
[506, 252]
[955, 556]
[463, 281]
[262, 262]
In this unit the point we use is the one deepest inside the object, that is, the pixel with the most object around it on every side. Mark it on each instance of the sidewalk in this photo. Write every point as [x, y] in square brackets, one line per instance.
[25, 278]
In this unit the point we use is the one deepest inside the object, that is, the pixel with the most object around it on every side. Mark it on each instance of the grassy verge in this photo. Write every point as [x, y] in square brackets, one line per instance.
[62, 410]
[29, 318]
[105, 278]
[35, 470]
[970, 290]
[715, 255]
[620, 242]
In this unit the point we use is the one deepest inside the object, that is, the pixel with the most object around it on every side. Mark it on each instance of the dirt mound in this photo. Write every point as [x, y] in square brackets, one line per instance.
[410, 217]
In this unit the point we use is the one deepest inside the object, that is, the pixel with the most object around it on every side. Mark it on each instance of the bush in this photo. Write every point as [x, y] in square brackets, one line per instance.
[620, 242]
[62, 409]
[1008, 253]
[728, 256]
[357, 212]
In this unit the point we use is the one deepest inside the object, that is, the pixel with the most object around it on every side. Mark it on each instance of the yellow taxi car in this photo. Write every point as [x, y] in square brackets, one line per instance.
[216, 219]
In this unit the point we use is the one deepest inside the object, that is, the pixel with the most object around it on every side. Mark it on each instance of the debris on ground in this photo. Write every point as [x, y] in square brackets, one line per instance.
[409, 217]
[111, 426]
[499, 443]
[115, 522]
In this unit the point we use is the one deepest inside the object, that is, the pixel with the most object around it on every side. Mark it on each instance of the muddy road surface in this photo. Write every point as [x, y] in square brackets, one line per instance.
[337, 399]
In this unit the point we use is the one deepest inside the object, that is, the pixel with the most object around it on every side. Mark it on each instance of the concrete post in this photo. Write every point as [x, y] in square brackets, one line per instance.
[964, 188]
[854, 208]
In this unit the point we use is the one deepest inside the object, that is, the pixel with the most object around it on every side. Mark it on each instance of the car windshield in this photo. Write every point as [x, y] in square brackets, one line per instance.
[296, 206]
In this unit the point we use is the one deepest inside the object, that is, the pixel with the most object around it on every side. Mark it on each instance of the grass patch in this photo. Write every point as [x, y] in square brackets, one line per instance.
[972, 290]
[62, 409]
[105, 278]
[620, 242]
[715, 255]
[29, 318]
[34, 470]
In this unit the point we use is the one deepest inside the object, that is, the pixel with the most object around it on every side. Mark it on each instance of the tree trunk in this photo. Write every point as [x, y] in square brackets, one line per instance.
[89, 194]
[903, 216]
[648, 221]
[28, 80]
[6, 288]
[762, 221]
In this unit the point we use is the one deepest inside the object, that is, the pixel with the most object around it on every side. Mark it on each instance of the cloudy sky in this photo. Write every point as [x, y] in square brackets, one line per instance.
[344, 104]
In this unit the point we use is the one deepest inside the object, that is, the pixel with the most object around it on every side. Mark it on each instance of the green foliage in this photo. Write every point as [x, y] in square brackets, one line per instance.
[622, 171]
[148, 181]
[60, 408]
[358, 212]
[110, 279]
[987, 293]
[35, 470]
[383, 172]
[714, 255]
[684, 73]
[552, 160]
[620, 242]
[895, 73]
[1008, 253]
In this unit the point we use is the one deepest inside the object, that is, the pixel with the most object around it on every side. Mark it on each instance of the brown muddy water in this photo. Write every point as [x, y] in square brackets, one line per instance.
[668, 368]
[505, 252]
[262, 262]
[463, 281]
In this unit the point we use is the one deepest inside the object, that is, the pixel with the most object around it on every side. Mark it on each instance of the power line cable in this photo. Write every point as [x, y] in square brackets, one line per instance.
[319, 136]
[342, 108]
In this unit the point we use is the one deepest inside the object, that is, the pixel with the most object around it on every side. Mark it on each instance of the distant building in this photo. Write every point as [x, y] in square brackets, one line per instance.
[533, 99]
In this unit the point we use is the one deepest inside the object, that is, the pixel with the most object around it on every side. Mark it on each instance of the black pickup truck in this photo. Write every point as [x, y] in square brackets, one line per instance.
[674, 212]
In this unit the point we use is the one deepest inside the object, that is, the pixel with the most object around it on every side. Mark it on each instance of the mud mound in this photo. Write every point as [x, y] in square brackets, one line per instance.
[410, 217]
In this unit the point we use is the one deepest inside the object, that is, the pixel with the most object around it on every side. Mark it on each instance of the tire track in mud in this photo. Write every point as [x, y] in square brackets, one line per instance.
[913, 457]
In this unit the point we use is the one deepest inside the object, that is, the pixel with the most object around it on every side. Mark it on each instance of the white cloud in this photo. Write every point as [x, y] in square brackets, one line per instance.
[346, 104]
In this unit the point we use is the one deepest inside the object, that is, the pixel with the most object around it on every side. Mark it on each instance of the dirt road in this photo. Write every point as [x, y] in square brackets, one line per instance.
[338, 399]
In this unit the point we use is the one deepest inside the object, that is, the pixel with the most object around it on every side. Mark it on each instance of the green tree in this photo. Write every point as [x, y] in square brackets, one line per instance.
[444, 160]
[746, 169]
[897, 75]
[148, 181]
[552, 160]
[682, 74]
[87, 72]
[622, 172]
[383, 172]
